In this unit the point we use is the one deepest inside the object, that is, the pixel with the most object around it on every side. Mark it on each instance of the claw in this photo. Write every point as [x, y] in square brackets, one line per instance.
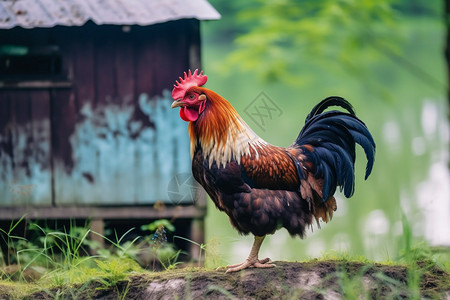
[254, 263]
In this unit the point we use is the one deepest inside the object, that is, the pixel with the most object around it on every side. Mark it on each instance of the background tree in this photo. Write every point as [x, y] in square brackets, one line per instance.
[336, 36]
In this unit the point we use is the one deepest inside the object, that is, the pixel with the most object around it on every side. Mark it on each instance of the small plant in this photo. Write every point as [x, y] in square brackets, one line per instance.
[200, 245]
[116, 269]
[153, 226]
[411, 256]
[212, 257]
[59, 250]
[11, 242]
[126, 249]
[161, 250]
[210, 249]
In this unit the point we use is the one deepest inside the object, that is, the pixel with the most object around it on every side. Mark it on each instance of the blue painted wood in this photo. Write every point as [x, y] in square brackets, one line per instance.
[25, 169]
[117, 160]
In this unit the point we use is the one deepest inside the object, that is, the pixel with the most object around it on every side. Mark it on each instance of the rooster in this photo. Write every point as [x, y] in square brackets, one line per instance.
[262, 187]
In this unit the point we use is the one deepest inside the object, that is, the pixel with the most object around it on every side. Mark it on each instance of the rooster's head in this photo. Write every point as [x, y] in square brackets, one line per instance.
[188, 96]
[214, 125]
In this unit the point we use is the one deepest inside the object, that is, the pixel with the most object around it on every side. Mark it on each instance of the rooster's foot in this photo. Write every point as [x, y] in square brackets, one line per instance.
[251, 263]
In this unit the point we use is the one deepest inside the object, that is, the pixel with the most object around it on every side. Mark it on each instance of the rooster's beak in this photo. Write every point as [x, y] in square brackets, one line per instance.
[177, 103]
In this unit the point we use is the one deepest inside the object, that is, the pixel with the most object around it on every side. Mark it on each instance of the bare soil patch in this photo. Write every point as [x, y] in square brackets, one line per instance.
[305, 280]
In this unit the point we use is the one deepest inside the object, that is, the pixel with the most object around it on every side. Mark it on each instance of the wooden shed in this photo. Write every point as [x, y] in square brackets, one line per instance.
[86, 129]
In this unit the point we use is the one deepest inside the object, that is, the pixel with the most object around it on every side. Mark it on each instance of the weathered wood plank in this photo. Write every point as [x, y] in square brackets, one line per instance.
[105, 73]
[172, 55]
[40, 156]
[194, 44]
[124, 62]
[25, 150]
[63, 120]
[6, 148]
[35, 84]
[145, 59]
[102, 212]
[19, 178]
[79, 62]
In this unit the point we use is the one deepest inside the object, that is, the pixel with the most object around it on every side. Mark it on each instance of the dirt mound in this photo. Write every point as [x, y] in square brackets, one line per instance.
[309, 280]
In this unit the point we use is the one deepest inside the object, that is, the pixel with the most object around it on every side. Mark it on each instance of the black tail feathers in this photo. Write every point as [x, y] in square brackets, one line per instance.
[327, 102]
[333, 136]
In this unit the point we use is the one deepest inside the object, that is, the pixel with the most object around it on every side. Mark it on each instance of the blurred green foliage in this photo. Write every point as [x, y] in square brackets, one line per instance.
[386, 58]
[334, 36]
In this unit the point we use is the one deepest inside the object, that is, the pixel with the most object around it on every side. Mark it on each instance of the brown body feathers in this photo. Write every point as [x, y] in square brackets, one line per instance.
[260, 186]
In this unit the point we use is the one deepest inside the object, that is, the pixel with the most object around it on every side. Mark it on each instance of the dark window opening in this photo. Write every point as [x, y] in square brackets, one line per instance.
[28, 63]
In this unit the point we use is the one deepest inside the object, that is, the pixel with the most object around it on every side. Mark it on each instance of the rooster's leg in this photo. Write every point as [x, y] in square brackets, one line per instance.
[252, 261]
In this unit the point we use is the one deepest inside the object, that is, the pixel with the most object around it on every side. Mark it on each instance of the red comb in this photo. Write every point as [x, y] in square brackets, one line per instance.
[190, 80]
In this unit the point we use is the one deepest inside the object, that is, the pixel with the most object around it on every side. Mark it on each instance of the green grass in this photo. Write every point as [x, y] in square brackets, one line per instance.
[61, 262]
[68, 273]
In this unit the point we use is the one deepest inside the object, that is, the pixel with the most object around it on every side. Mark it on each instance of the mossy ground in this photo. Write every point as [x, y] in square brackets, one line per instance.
[321, 279]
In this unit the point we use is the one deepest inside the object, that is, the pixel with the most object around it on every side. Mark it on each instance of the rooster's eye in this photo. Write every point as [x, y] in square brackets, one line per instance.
[191, 96]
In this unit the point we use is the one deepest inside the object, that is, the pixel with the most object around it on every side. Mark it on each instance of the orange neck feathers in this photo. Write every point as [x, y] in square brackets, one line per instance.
[221, 132]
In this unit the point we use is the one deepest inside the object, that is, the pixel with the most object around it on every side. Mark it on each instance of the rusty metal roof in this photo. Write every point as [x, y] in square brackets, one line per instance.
[49, 13]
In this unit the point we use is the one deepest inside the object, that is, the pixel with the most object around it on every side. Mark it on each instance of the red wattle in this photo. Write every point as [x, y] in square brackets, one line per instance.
[189, 114]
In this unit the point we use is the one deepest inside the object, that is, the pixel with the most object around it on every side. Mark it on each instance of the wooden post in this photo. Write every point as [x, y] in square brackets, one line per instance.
[198, 236]
[197, 233]
[98, 226]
